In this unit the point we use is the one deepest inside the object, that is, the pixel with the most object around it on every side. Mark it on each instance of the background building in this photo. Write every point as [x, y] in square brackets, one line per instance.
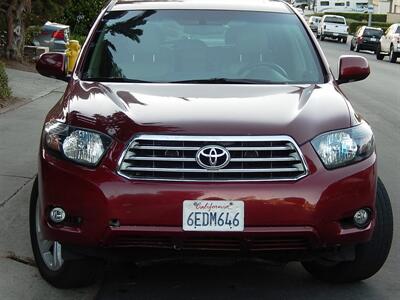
[381, 6]
[396, 6]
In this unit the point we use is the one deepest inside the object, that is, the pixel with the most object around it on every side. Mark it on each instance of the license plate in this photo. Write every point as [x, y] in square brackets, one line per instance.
[213, 215]
[373, 39]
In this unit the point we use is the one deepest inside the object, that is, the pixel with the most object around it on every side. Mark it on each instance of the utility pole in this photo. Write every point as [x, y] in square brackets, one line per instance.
[370, 11]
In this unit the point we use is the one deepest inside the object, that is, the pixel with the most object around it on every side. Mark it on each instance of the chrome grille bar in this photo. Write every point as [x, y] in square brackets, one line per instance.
[167, 148]
[160, 159]
[212, 171]
[288, 147]
[173, 158]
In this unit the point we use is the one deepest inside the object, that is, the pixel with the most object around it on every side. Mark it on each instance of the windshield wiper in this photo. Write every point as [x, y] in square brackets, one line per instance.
[115, 79]
[229, 81]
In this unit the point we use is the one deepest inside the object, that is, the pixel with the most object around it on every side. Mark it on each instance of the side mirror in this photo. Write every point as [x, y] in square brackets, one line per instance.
[53, 65]
[352, 68]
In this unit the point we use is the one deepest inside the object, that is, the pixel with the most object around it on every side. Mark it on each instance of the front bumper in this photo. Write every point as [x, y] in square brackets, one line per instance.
[334, 34]
[372, 46]
[115, 212]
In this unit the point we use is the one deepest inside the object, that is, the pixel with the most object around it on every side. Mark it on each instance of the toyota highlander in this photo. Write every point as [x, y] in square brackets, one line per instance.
[206, 128]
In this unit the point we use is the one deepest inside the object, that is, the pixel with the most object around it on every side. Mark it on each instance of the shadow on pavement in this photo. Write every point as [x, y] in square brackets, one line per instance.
[235, 281]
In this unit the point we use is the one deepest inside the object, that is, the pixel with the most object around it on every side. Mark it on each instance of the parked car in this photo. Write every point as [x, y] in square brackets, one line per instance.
[334, 27]
[202, 127]
[53, 35]
[389, 44]
[366, 38]
[313, 22]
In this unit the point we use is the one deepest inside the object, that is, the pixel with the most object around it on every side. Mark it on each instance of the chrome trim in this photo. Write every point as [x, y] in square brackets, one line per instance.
[160, 159]
[265, 159]
[167, 148]
[171, 170]
[210, 138]
[259, 148]
[190, 138]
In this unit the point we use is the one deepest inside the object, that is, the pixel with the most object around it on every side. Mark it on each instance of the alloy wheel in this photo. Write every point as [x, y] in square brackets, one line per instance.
[49, 250]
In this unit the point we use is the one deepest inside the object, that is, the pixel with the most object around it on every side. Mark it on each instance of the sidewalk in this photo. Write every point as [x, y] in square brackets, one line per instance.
[20, 129]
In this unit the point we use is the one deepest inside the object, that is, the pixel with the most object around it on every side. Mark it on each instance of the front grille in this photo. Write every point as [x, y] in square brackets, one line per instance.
[252, 158]
[214, 243]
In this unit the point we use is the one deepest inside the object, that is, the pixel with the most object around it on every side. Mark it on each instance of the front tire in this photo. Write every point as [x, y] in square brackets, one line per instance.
[370, 256]
[56, 270]
[392, 55]
[379, 55]
[321, 37]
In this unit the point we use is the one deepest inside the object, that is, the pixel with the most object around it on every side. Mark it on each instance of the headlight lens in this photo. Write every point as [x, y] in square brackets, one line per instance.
[79, 145]
[344, 147]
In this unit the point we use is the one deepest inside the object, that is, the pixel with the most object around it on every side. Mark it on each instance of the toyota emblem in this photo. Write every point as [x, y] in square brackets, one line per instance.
[213, 157]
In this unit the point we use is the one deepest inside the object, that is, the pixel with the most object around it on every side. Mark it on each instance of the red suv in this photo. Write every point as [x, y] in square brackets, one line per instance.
[206, 128]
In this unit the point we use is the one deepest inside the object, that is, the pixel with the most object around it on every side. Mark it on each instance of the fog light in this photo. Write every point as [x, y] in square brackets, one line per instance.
[57, 215]
[361, 218]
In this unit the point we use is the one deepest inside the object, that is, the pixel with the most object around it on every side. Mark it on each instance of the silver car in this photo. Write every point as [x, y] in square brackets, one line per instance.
[313, 22]
[53, 35]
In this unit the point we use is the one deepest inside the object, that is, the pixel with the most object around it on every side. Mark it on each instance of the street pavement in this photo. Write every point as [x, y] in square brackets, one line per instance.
[377, 99]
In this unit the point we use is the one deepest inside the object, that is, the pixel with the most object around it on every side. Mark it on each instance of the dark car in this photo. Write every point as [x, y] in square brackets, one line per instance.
[53, 35]
[203, 128]
[366, 38]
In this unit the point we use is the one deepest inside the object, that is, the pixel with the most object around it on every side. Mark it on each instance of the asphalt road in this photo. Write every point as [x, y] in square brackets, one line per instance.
[377, 98]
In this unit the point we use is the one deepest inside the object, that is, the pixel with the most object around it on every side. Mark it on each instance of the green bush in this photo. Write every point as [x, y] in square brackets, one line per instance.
[4, 89]
[360, 17]
[31, 33]
[80, 38]
[355, 25]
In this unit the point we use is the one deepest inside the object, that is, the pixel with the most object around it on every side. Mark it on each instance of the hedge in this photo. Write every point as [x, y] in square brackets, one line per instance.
[360, 17]
[5, 91]
[31, 33]
[80, 38]
[355, 25]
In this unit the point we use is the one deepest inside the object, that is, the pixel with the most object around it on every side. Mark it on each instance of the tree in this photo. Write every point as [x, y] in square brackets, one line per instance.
[48, 10]
[15, 11]
[80, 15]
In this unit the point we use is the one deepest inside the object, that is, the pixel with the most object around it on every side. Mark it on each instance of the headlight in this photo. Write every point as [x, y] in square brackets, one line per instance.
[345, 147]
[79, 145]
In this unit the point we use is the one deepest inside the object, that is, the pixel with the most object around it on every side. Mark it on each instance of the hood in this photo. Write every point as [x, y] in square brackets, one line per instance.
[122, 110]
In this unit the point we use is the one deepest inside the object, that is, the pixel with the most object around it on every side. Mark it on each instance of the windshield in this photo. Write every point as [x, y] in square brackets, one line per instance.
[369, 32]
[200, 45]
[334, 20]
